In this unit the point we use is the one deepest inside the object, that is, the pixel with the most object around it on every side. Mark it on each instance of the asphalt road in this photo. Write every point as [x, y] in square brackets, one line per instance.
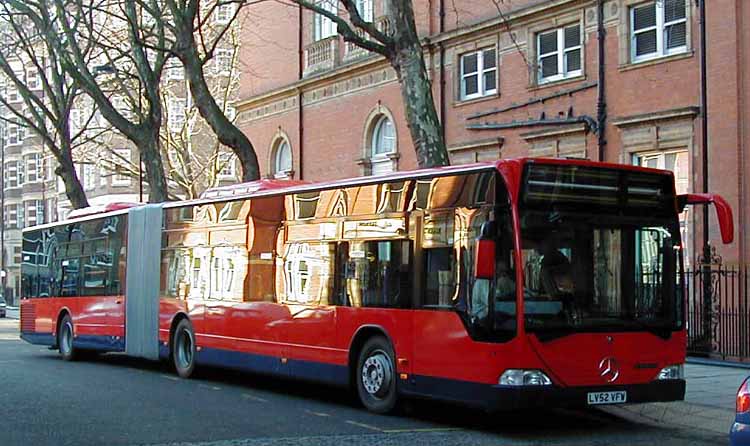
[115, 400]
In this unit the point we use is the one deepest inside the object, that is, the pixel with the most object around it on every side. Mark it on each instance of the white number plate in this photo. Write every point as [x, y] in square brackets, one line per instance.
[608, 397]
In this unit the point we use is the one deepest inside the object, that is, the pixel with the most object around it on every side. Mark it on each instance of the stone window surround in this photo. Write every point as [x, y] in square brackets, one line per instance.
[558, 21]
[558, 135]
[371, 121]
[473, 151]
[459, 51]
[279, 137]
[623, 31]
[654, 120]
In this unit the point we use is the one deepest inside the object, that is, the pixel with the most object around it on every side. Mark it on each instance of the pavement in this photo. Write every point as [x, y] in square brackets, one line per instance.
[709, 403]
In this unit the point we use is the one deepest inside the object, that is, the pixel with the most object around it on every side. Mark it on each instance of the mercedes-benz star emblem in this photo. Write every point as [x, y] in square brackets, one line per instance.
[609, 370]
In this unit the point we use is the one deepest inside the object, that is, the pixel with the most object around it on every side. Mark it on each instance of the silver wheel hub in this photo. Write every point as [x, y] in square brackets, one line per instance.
[377, 373]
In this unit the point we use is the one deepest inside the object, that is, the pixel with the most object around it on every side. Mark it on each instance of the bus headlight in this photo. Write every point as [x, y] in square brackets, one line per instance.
[671, 372]
[519, 377]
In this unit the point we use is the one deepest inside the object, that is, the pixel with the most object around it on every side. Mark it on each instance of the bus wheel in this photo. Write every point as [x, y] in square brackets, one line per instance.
[183, 349]
[376, 376]
[65, 339]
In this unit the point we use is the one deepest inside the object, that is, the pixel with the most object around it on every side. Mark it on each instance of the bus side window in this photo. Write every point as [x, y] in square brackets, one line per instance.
[440, 277]
[377, 274]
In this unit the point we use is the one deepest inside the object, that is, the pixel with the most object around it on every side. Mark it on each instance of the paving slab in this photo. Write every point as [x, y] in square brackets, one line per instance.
[709, 400]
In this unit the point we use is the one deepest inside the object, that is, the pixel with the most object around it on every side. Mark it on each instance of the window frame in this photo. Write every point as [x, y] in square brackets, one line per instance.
[377, 130]
[33, 165]
[177, 119]
[222, 63]
[224, 9]
[661, 28]
[276, 167]
[561, 51]
[481, 71]
[368, 6]
[32, 79]
[323, 27]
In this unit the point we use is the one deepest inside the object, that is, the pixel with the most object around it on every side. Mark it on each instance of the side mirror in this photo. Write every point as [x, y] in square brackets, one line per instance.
[484, 261]
[723, 211]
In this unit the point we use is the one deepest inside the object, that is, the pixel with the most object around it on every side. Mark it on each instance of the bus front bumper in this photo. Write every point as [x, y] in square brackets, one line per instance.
[523, 397]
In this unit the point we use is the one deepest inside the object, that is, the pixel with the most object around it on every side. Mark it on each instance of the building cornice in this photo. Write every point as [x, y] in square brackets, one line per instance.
[662, 115]
[370, 63]
[519, 15]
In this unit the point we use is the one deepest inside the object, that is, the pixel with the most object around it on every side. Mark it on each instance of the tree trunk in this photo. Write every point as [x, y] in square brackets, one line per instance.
[416, 90]
[152, 162]
[227, 133]
[73, 189]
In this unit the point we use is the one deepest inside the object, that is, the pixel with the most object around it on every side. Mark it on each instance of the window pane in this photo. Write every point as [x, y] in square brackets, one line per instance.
[674, 10]
[675, 35]
[549, 66]
[283, 157]
[470, 63]
[573, 60]
[384, 138]
[572, 36]
[440, 277]
[489, 81]
[548, 42]
[489, 58]
[669, 161]
[645, 43]
[470, 85]
[644, 17]
[377, 274]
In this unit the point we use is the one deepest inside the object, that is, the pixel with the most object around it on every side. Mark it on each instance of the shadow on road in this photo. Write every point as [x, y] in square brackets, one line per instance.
[558, 423]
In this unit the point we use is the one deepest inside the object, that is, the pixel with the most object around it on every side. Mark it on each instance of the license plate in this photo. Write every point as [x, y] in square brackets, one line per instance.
[608, 397]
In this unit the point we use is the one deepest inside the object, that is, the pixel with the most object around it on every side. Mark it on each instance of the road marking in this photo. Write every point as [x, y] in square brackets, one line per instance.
[425, 429]
[171, 378]
[206, 386]
[7, 361]
[247, 396]
[366, 426]
[317, 414]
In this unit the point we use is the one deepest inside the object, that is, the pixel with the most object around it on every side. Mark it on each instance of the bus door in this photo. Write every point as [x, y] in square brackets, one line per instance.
[305, 272]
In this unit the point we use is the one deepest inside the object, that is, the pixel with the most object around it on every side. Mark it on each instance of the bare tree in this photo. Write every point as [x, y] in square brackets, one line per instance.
[401, 46]
[195, 44]
[31, 68]
[102, 47]
[195, 157]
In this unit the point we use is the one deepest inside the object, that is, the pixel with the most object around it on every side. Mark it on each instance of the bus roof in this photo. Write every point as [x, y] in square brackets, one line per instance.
[269, 187]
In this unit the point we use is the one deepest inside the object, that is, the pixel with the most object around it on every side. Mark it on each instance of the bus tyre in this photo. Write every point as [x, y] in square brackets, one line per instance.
[183, 349]
[65, 339]
[376, 375]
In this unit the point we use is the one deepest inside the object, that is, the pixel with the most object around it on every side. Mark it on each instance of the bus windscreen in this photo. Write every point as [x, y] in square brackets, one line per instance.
[598, 252]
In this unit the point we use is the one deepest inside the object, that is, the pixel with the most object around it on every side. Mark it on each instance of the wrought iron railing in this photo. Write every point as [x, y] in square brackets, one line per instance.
[718, 313]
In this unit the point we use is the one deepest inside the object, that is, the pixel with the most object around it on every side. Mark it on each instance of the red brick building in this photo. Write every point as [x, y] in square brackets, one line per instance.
[523, 79]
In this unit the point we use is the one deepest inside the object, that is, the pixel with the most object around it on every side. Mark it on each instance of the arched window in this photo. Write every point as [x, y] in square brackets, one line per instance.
[383, 137]
[282, 159]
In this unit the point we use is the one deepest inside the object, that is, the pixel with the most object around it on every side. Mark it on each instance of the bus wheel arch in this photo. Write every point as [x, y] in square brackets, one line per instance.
[182, 346]
[372, 348]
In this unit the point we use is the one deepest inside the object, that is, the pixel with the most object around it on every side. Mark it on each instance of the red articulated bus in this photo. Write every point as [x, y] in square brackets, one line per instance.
[517, 283]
